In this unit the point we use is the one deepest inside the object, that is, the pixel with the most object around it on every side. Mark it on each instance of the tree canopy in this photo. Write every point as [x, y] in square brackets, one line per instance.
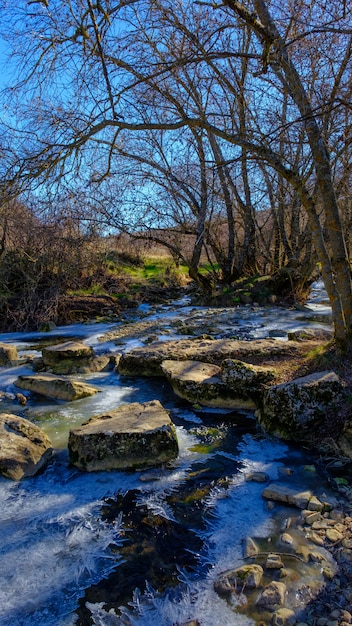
[229, 122]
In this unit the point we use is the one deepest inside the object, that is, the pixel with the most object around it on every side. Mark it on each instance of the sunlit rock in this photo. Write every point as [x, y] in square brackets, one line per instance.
[200, 383]
[146, 360]
[292, 408]
[24, 448]
[284, 617]
[55, 387]
[130, 437]
[233, 581]
[73, 357]
[247, 379]
[68, 350]
[250, 548]
[289, 495]
[273, 561]
[8, 354]
[272, 596]
[308, 334]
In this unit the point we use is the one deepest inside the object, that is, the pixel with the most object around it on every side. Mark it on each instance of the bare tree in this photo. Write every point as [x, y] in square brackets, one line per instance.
[92, 75]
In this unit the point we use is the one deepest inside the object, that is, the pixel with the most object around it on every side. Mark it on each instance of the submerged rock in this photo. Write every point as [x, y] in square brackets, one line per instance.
[24, 448]
[233, 581]
[132, 436]
[54, 387]
[272, 596]
[291, 408]
[8, 354]
[200, 383]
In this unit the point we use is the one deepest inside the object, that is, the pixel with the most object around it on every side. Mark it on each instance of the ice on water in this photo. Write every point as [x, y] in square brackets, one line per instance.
[54, 543]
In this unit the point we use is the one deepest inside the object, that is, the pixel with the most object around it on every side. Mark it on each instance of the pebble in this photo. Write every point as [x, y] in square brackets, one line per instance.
[333, 535]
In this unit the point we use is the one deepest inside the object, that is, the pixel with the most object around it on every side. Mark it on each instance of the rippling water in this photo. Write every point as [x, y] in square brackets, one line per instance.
[73, 545]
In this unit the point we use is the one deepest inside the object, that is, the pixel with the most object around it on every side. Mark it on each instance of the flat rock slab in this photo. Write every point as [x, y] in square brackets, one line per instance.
[146, 360]
[292, 407]
[55, 387]
[24, 448]
[68, 350]
[250, 379]
[133, 436]
[289, 495]
[201, 383]
[73, 357]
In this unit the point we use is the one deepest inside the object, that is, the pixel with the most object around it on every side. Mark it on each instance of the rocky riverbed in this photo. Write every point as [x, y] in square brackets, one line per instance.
[234, 497]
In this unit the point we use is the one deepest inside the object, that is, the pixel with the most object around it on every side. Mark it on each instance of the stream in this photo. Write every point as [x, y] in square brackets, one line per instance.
[143, 548]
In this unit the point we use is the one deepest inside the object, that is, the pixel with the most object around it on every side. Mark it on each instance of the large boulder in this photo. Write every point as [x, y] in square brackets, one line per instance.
[8, 354]
[292, 408]
[246, 379]
[133, 436]
[73, 357]
[24, 448]
[55, 387]
[200, 383]
[146, 360]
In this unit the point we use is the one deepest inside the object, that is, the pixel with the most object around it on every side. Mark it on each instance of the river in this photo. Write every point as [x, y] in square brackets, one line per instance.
[141, 548]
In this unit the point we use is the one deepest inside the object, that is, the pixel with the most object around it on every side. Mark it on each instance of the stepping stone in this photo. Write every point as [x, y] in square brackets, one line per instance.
[24, 448]
[133, 436]
[55, 387]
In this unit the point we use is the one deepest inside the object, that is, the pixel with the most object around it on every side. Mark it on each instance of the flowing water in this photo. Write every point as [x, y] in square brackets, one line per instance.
[138, 548]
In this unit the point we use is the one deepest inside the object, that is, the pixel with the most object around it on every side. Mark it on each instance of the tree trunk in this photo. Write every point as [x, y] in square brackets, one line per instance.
[335, 264]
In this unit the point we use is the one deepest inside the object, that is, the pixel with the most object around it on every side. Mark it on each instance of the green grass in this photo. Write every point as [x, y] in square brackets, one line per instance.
[156, 269]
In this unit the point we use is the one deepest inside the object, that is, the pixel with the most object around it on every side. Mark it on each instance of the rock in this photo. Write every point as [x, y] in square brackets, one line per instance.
[272, 596]
[21, 399]
[273, 561]
[68, 350]
[344, 441]
[315, 505]
[287, 539]
[309, 334]
[257, 477]
[54, 387]
[285, 471]
[133, 436]
[73, 357]
[333, 535]
[250, 548]
[200, 383]
[25, 449]
[8, 354]
[310, 518]
[287, 495]
[291, 409]
[234, 581]
[315, 538]
[284, 617]
[245, 378]
[146, 360]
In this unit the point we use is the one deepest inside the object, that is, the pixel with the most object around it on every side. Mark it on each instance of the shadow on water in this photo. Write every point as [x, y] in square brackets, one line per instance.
[158, 546]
